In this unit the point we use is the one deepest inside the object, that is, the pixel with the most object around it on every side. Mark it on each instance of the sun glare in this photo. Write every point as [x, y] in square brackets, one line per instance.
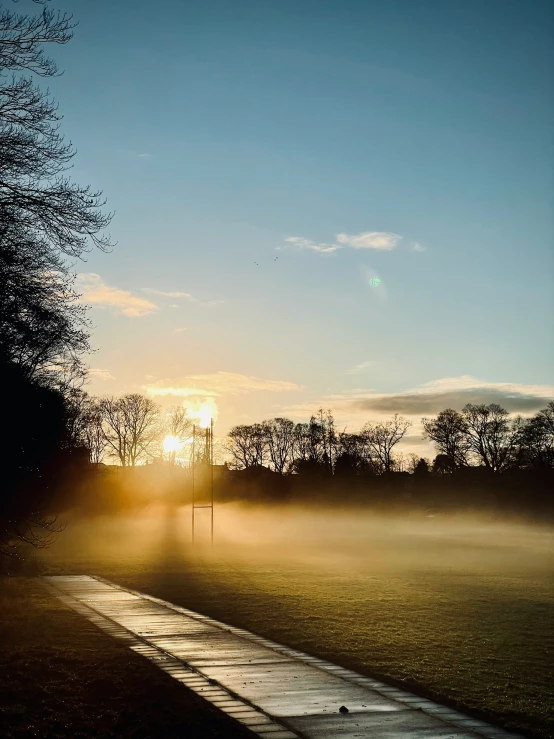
[203, 414]
[171, 444]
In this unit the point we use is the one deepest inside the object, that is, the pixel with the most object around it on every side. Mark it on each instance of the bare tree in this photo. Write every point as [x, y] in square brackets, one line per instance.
[491, 436]
[382, 437]
[247, 445]
[43, 327]
[44, 215]
[34, 191]
[448, 431]
[316, 442]
[535, 443]
[177, 423]
[131, 427]
[279, 434]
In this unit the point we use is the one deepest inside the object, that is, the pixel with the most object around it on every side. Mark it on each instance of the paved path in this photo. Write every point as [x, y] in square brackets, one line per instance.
[277, 692]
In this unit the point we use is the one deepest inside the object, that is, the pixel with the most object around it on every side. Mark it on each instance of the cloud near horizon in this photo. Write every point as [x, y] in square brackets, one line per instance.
[95, 291]
[217, 384]
[359, 405]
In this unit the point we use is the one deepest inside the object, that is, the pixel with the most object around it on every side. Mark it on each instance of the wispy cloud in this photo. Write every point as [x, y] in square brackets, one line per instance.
[299, 242]
[98, 293]
[145, 155]
[217, 384]
[170, 294]
[180, 294]
[180, 330]
[359, 368]
[376, 240]
[380, 240]
[416, 246]
[100, 374]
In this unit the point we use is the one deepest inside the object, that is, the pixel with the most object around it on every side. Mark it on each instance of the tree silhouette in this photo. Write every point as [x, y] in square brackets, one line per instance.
[536, 440]
[491, 436]
[44, 215]
[382, 437]
[279, 436]
[449, 433]
[131, 427]
[247, 445]
[35, 193]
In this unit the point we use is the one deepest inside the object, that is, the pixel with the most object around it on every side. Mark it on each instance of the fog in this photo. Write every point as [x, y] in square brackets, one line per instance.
[159, 536]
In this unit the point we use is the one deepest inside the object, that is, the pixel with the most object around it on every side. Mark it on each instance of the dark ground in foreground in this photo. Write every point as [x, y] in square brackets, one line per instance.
[60, 676]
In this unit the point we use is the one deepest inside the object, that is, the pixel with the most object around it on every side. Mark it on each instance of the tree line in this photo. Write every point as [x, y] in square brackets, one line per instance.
[129, 430]
[479, 435]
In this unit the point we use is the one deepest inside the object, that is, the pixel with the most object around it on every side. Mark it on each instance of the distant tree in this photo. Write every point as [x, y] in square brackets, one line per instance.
[351, 455]
[536, 440]
[422, 467]
[94, 436]
[131, 427]
[302, 442]
[178, 423]
[442, 465]
[316, 443]
[326, 423]
[417, 465]
[247, 445]
[382, 437]
[449, 432]
[85, 424]
[491, 435]
[279, 437]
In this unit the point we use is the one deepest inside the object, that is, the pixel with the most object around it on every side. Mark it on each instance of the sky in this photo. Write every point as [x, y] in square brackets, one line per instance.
[318, 203]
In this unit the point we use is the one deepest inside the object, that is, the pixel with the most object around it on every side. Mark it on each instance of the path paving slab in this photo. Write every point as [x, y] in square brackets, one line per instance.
[274, 691]
[377, 726]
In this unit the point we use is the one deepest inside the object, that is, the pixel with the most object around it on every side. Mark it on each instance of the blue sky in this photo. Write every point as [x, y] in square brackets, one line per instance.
[218, 129]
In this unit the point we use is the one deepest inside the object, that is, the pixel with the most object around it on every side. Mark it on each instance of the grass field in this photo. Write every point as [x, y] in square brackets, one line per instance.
[461, 611]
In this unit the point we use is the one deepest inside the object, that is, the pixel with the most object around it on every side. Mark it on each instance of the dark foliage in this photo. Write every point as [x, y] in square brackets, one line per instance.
[44, 215]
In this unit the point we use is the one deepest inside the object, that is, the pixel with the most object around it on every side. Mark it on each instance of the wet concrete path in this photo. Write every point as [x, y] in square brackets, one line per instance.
[277, 692]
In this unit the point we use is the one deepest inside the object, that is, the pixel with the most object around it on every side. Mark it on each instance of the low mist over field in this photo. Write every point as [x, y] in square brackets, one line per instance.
[329, 538]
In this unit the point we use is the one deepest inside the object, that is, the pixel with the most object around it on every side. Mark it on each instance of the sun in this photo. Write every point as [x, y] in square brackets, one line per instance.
[171, 444]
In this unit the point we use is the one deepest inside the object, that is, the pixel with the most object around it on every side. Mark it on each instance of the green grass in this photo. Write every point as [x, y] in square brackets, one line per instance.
[62, 677]
[464, 619]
